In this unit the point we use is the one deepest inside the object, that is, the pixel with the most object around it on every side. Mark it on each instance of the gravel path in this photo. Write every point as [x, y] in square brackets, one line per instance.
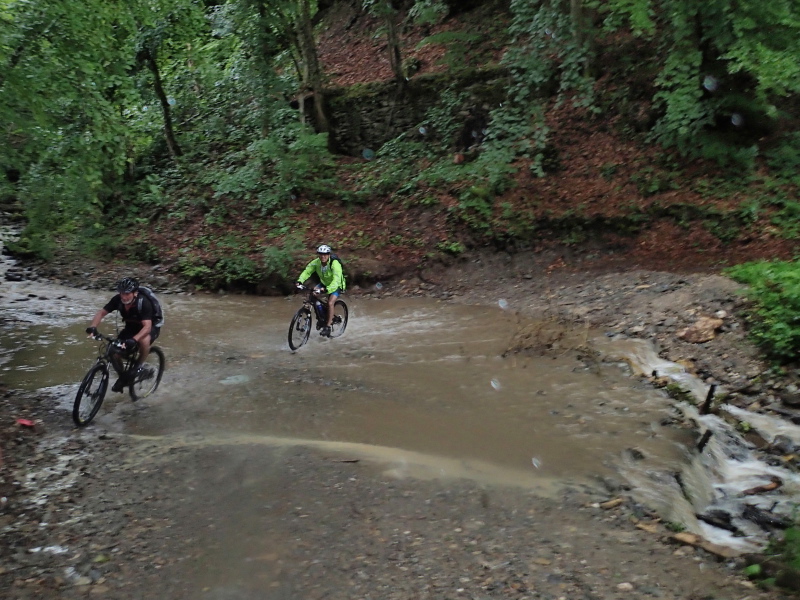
[94, 514]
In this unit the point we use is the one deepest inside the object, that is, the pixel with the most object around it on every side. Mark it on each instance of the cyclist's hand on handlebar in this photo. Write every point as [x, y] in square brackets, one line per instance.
[298, 285]
[130, 344]
[92, 331]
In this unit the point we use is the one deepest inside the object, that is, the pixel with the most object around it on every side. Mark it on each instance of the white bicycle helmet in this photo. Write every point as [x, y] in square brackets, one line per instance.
[324, 249]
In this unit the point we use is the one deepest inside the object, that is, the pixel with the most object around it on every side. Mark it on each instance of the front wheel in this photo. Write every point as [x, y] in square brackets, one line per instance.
[339, 322]
[146, 379]
[90, 395]
[299, 328]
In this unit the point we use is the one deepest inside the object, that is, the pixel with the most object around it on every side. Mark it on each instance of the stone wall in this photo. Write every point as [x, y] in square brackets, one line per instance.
[367, 116]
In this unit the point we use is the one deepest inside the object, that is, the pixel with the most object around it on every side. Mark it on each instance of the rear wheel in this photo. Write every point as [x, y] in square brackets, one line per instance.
[339, 322]
[90, 395]
[146, 381]
[299, 328]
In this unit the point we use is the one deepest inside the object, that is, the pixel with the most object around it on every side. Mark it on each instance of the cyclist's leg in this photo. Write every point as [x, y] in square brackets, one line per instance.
[117, 361]
[331, 301]
[144, 345]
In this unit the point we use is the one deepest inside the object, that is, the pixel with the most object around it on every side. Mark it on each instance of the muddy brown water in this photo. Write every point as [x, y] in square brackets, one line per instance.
[416, 387]
[415, 383]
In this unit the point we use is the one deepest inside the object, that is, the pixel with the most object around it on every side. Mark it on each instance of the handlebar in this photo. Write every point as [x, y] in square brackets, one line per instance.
[99, 337]
[304, 288]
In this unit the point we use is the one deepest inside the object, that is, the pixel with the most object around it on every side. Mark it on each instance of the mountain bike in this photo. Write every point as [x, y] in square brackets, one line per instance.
[315, 304]
[93, 388]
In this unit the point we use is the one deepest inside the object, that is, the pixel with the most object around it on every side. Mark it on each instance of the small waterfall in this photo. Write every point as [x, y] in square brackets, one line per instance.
[714, 492]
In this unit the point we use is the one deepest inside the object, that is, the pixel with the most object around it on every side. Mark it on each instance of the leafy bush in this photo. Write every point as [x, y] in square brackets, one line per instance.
[278, 259]
[784, 159]
[238, 268]
[193, 268]
[775, 318]
[291, 160]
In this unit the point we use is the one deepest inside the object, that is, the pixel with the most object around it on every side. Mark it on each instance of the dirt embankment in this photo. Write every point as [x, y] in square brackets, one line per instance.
[96, 514]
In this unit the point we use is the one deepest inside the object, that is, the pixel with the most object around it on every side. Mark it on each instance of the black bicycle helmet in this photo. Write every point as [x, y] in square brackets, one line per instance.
[127, 285]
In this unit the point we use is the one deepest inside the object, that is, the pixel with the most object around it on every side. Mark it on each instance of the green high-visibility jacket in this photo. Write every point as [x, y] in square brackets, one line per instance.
[330, 275]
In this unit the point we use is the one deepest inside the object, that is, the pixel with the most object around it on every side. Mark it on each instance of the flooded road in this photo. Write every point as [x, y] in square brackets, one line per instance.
[416, 383]
[255, 460]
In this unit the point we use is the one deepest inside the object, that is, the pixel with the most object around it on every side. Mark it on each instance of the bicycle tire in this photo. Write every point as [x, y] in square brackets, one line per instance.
[90, 395]
[146, 383]
[340, 315]
[299, 328]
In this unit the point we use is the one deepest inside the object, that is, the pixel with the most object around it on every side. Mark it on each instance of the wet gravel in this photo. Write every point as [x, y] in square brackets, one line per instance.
[94, 514]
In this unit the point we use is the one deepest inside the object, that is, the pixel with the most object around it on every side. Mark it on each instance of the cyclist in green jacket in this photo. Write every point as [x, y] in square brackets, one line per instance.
[328, 272]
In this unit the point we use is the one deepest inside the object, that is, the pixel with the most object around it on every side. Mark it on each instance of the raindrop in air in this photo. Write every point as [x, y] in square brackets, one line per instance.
[548, 32]
[496, 384]
[423, 130]
[710, 83]
[737, 120]
[171, 101]
[378, 286]
[503, 303]
[368, 153]
[536, 462]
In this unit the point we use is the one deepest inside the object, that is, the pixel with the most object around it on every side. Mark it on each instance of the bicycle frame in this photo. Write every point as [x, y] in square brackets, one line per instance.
[110, 346]
[310, 302]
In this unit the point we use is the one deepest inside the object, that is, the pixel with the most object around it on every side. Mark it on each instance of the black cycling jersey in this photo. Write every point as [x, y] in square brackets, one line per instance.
[131, 315]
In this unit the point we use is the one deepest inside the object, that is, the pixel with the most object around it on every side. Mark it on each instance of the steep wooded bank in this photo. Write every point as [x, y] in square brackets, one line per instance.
[225, 140]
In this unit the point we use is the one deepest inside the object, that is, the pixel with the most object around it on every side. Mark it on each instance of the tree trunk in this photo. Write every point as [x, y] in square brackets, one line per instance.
[393, 45]
[172, 143]
[311, 72]
[576, 16]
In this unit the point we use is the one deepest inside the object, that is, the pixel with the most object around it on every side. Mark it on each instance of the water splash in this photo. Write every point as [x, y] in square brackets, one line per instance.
[717, 477]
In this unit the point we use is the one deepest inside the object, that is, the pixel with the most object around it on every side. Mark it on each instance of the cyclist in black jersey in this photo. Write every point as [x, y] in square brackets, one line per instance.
[139, 327]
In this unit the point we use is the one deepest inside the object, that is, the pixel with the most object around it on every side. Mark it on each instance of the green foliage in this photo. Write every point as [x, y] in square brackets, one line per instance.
[547, 46]
[193, 268]
[774, 287]
[291, 160]
[442, 121]
[237, 268]
[81, 111]
[675, 527]
[722, 57]
[278, 260]
[33, 243]
[454, 248]
[789, 548]
[784, 158]
[782, 562]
